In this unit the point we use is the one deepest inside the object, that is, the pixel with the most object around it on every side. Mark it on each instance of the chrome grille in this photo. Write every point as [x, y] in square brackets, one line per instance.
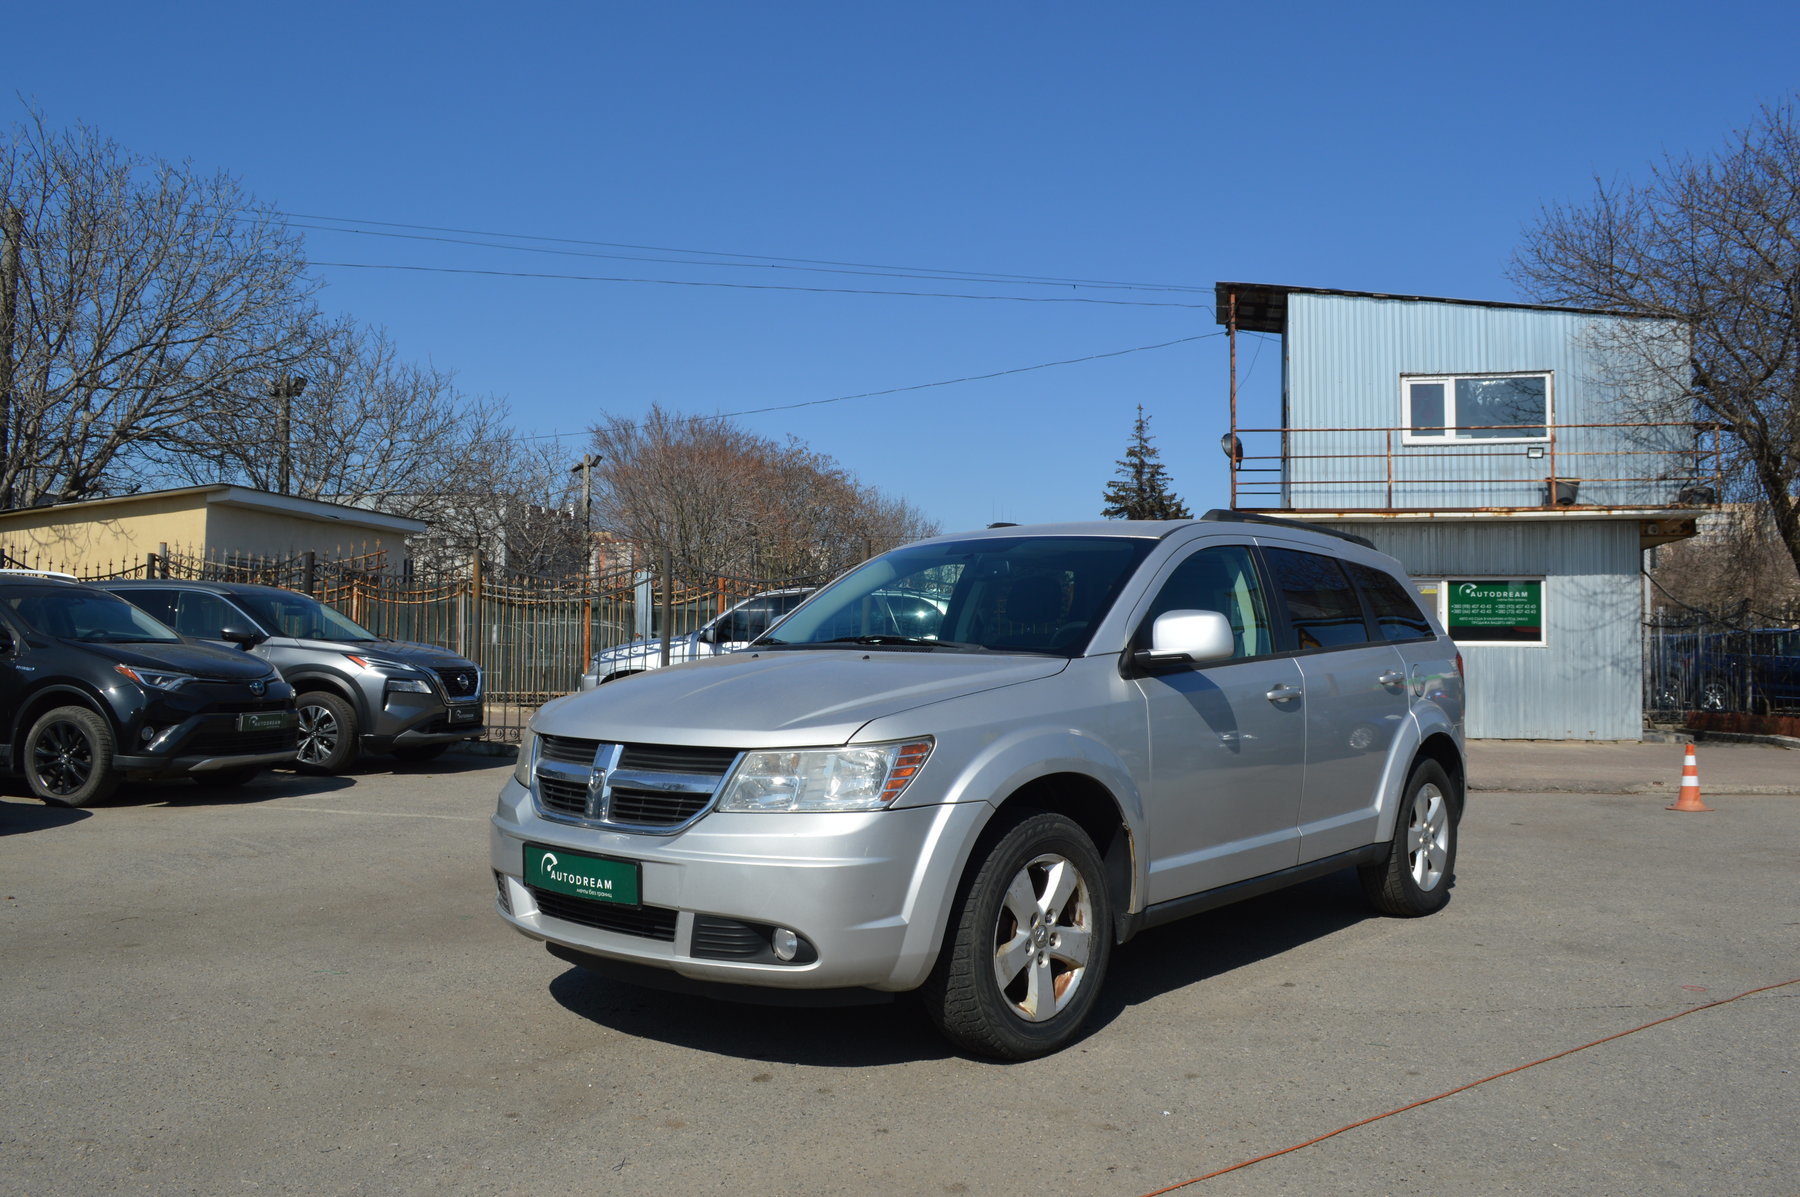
[655, 788]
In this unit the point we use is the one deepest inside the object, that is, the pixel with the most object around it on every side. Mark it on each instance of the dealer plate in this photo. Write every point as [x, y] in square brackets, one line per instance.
[595, 878]
[465, 714]
[265, 720]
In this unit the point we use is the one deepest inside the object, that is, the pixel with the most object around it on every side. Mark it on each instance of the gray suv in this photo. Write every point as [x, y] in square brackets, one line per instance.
[1110, 726]
[356, 692]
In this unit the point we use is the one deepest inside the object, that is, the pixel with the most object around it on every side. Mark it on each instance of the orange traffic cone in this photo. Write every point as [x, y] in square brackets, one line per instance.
[1689, 798]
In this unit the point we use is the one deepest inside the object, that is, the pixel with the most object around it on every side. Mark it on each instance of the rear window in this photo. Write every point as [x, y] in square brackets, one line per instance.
[1321, 603]
[1397, 615]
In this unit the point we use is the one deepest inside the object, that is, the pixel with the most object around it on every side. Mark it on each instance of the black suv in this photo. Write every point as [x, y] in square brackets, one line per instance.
[357, 691]
[94, 692]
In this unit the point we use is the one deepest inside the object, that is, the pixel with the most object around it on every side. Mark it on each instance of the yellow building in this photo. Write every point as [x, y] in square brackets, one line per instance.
[101, 536]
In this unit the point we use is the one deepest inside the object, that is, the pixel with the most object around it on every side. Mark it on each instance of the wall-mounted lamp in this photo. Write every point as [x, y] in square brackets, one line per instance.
[1535, 451]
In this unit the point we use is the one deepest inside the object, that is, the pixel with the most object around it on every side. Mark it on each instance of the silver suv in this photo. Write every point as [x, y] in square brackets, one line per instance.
[1111, 726]
[736, 627]
[356, 692]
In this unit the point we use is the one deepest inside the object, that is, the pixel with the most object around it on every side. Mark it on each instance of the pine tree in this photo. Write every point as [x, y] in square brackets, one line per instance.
[1141, 490]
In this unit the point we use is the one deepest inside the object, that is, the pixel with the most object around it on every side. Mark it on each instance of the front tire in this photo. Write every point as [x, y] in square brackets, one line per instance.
[1415, 877]
[69, 757]
[328, 732]
[1028, 945]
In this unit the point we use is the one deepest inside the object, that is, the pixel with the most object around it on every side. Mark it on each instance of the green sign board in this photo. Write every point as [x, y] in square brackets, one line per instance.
[592, 877]
[1504, 610]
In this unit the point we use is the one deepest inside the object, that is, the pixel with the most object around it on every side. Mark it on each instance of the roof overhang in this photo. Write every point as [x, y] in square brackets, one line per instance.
[1262, 307]
[245, 497]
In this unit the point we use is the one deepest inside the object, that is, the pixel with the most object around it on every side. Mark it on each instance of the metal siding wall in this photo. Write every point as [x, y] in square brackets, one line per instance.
[1586, 683]
[1347, 355]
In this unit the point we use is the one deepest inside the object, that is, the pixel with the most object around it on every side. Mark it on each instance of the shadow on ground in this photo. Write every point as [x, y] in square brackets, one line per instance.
[1155, 963]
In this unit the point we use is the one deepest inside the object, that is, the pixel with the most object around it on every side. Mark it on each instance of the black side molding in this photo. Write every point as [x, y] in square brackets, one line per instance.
[1225, 895]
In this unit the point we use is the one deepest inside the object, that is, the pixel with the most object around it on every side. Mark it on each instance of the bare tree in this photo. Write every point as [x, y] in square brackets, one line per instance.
[1711, 245]
[138, 292]
[723, 501]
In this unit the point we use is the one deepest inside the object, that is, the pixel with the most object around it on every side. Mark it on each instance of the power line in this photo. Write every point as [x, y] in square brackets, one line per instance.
[670, 282]
[922, 386]
[975, 275]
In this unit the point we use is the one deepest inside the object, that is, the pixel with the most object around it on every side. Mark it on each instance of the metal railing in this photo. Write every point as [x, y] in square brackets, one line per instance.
[1633, 464]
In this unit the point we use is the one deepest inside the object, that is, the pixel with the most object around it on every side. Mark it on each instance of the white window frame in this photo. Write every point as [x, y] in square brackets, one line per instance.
[1453, 434]
[1436, 589]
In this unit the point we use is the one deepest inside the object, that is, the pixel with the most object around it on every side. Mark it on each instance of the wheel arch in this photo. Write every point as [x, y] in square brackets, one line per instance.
[1441, 748]
[1094, 808]
[329, 683]
[58, 694]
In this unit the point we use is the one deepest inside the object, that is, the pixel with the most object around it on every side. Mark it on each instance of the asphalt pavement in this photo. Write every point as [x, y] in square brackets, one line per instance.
[1621, 767]
[301, 987]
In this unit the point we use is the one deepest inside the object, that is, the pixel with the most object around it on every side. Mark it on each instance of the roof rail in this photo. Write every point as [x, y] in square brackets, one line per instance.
[1220, 515]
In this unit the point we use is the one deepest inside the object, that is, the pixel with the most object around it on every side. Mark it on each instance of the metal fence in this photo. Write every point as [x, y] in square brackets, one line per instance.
[532, 637]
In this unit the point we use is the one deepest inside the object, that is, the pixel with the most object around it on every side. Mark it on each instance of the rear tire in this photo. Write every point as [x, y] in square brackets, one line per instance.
[69, 757]
[1415, 877]
[328, 732]
[1028, 943]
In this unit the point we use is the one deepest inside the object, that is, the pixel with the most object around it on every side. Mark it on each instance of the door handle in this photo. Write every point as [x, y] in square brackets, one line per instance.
[1392, 677]
[1284, 693]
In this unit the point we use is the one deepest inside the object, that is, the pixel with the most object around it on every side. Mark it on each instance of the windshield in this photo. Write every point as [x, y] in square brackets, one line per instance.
[1024, 594]
[88, 615]
[302, 617]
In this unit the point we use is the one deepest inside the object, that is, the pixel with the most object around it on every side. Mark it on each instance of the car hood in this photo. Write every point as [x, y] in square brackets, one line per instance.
[200, 660]
[783, 698]
[679, 646]
[425, 656]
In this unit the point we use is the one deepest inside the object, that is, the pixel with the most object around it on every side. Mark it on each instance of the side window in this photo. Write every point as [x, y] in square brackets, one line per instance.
[1321, 604]
[1396, 614]
[160, 603]
[202, 614]
[1220, 579]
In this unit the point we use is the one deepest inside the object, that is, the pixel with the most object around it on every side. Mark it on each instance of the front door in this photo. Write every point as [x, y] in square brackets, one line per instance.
[1227, 740]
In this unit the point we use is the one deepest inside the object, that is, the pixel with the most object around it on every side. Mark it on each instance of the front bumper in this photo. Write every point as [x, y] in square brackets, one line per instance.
[209, 742]
[867, 892]
[405, 719]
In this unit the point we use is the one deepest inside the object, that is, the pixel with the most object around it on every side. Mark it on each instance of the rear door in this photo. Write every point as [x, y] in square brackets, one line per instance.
[1355, 698]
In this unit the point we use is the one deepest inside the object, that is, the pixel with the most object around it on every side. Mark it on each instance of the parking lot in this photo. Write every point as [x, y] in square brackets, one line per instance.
[300, 987]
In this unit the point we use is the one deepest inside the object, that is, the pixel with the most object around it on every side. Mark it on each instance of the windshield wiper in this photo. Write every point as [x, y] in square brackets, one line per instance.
[905, 642]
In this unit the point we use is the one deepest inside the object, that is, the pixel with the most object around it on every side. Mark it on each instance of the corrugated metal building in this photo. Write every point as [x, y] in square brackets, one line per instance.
[1516, 458]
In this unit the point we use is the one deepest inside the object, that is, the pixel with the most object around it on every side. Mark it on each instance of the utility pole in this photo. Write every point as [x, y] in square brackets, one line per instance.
[586, 468]
[12, 229]
[284, 391]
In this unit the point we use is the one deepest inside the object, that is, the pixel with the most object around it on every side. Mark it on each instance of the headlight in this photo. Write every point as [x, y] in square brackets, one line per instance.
[408, 685]
[527, 758]
[868, 777]
[155, 679]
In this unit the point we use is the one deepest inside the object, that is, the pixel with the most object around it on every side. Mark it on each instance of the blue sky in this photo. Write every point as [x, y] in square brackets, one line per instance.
[1380, 147]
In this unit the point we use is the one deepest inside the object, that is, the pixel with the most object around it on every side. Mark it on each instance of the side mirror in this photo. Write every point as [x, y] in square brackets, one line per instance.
[245, 638]
[1187, 638]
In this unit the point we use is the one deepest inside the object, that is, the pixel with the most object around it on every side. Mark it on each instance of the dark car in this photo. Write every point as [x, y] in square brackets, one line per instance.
[1757, 670]
[357, 691]
[94, 692]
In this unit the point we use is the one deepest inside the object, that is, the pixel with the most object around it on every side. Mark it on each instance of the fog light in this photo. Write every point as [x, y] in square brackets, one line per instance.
[785, 943]
[149, 734]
